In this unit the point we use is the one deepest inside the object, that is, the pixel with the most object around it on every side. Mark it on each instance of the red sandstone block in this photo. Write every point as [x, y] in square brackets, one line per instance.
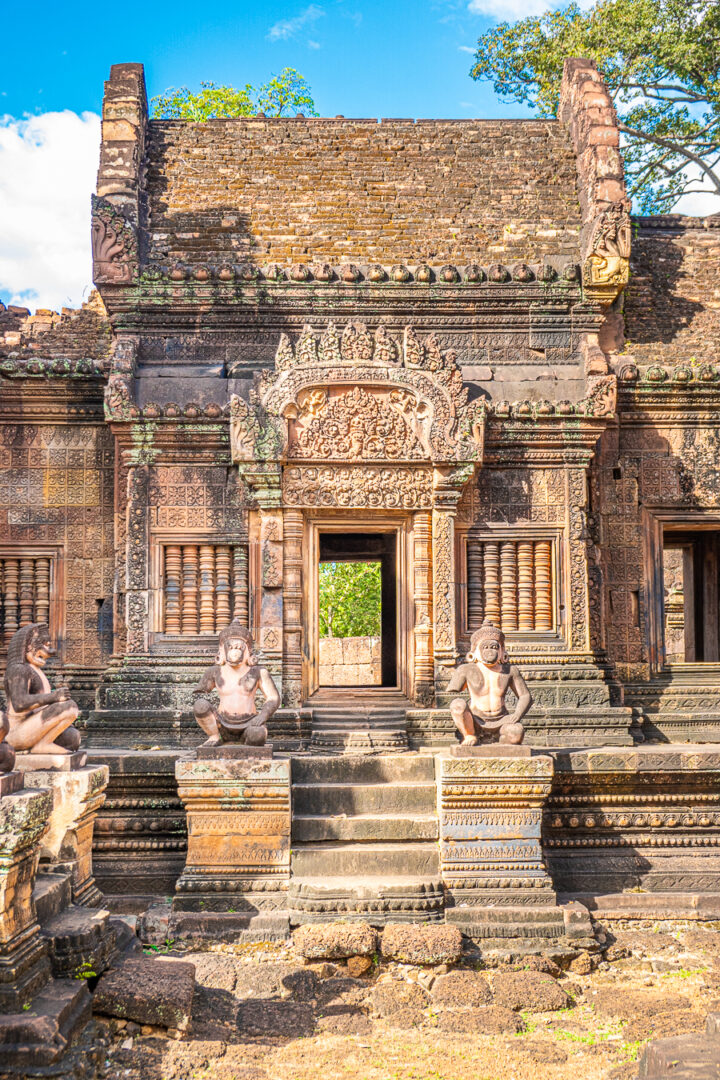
[603, 136]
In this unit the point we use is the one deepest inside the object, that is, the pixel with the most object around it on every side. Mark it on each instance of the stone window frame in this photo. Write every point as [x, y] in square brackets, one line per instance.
[56, 618]
[655, 521]
[498, 532]
[158, 639]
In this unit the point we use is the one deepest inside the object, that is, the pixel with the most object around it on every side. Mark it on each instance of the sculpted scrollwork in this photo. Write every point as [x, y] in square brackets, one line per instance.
[393, 488]
[358, 396]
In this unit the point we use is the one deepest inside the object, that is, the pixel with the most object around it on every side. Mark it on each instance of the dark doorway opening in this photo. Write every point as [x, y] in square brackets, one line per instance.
[372, 548]
[691, 574]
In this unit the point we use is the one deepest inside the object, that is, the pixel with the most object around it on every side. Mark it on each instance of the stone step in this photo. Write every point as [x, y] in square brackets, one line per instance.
[361, 827]
[52, 893]
[364, 860]
[397, 798]
[355, 741]
[377, 900]
[382, 769]
[81, 941]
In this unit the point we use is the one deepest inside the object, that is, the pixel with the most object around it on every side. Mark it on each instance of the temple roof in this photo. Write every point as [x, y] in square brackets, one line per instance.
[336, 190]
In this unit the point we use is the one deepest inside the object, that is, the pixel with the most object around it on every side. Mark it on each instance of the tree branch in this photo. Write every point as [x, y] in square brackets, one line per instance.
[670, 144]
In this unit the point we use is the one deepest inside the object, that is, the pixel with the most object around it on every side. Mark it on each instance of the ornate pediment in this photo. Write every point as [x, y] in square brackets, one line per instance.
[357, 397]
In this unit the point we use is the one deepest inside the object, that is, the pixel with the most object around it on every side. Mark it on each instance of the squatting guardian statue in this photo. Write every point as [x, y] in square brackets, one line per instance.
[488, 676]
[236, 676]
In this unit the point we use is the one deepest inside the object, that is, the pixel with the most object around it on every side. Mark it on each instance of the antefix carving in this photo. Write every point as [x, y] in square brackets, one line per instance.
[114, 244]
[359, 397]
[607, 266]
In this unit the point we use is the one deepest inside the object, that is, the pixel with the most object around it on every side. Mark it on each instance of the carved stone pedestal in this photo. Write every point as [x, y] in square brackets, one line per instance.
[238, 816]
[491, 800]
[24, 962]
[77, 795]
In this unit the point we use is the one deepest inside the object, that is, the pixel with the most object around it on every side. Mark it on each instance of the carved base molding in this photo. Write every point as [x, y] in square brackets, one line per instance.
[378, 903]
[140, 836]
[647, 817]
[550, 727]
[238, 853]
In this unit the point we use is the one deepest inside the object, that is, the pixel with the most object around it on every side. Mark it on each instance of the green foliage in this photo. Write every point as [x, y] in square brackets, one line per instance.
[350, 599]
[661, 62]
[85, 971]
[284, 94]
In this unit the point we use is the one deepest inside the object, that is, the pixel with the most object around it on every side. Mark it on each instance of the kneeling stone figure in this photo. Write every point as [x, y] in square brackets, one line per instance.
[236, 676]
[488, 677]
[40, 719]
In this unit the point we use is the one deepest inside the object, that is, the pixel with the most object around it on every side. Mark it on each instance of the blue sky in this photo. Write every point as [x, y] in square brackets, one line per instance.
[372, 58]
[361, 57]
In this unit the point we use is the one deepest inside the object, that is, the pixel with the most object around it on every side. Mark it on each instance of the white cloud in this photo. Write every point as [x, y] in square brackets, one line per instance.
[287, 28]
[48, 166]
[314, 44]
[511, 10]
[467, 49]
[701, 202]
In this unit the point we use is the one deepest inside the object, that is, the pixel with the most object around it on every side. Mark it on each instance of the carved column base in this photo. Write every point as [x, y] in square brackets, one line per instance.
[238, 816]
[24, 962]
[77, 796]
[490, 822]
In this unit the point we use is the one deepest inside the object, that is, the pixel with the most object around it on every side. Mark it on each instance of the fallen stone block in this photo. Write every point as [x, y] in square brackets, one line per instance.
[461, 989]
[488, 1020]
[529, 990]
[148, 991]
[335, 941]
[421, 943]
[40, 1035]
[396, 996]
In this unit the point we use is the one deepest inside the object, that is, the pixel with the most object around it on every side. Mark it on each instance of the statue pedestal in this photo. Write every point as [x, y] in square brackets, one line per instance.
[77, 795]
[238, 817]
[24, 962]
[491, 799]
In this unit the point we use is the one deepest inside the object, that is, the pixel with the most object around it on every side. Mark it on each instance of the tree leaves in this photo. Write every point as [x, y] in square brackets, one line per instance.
[350, 599]
[661, 62]
[284, 94]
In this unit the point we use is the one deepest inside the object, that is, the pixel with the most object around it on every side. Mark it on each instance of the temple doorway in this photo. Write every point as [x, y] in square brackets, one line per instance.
[357, 610]
[353, 563]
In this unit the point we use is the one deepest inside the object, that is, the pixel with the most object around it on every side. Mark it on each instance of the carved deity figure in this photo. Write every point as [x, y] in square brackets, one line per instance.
[40, 718]
[488, 676]
[236, 676]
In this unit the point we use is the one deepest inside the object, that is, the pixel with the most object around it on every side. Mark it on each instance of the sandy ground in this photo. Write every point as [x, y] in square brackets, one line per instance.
[259, 1013]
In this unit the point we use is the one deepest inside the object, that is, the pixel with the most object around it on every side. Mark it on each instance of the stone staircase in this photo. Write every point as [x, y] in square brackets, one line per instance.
[376, 728]
[364, 839]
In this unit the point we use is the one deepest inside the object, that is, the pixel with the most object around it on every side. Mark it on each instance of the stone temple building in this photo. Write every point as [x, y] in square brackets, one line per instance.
[441, 344]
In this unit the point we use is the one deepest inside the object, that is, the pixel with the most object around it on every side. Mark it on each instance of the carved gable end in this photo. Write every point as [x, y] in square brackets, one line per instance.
[356, 396]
